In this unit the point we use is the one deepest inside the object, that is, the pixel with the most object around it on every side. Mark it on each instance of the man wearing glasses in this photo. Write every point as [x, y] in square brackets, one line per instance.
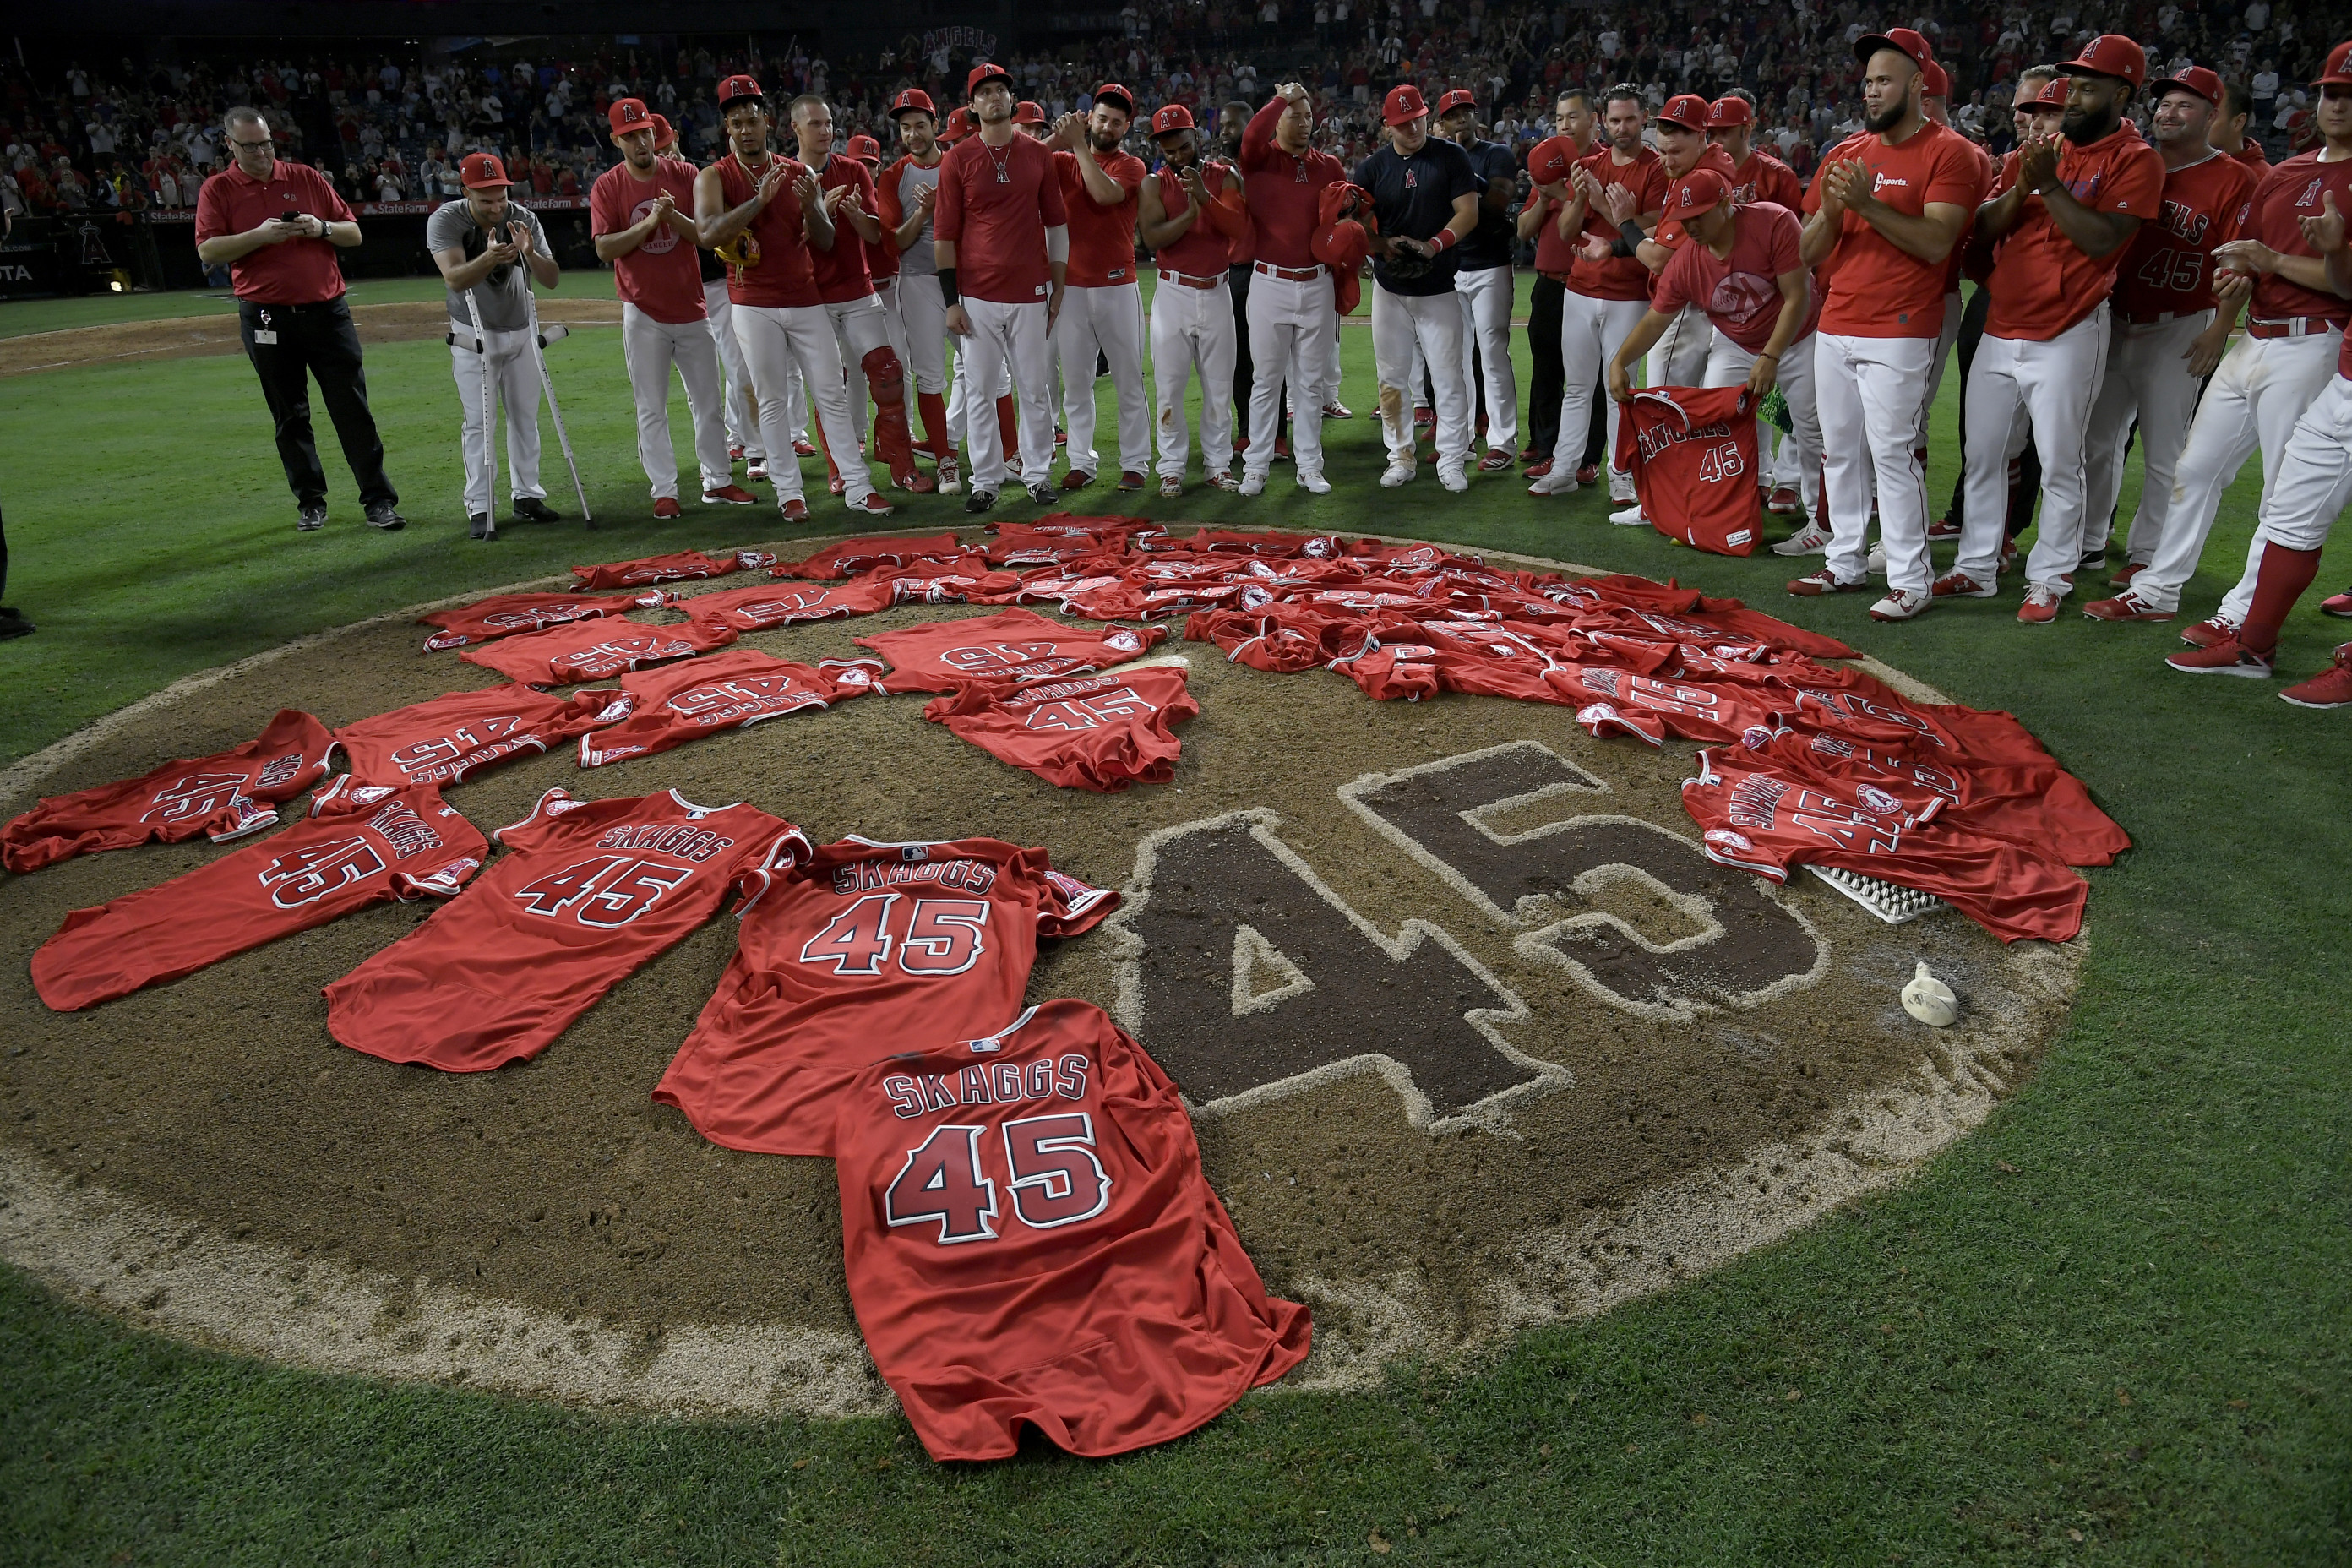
[277, 226]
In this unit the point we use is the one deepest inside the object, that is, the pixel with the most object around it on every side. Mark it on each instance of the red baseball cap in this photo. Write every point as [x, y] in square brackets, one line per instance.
[1933, 80]
[1112, 91]
[2111, 54]
[1170, 117]
[1725, 112]
[1696, 192]
[1687, 109]
[1402, 103]
[739, 86]
[2338, 72]
[1902, 40]
[628, 114]
[480, 171]
[1548, 160]
[984, 72]
[1028, 111]
[2054, 95]
[665, 134]
[1454, 98]
[2196, 80]
[961, 123]
[913, 100]
[1341, 246]
[865, 149]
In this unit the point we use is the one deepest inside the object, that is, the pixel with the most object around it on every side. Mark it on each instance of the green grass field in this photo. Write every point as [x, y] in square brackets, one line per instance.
[2114, 1325]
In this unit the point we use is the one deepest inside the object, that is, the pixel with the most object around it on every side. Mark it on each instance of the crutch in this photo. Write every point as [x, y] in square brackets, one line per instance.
[489, 411]
[538, 350]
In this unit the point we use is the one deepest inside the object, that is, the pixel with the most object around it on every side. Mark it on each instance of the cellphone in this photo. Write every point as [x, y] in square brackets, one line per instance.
[289, 216]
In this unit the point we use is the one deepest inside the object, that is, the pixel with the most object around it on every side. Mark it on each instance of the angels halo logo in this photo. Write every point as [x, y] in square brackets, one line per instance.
[1473, 1034]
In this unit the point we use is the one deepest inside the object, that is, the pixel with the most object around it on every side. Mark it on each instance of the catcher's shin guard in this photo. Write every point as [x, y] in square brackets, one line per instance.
[893, 442]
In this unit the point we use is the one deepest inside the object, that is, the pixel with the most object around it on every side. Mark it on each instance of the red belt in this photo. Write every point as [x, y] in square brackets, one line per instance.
[2291, 326]
[1189, 281]
[1289, 274]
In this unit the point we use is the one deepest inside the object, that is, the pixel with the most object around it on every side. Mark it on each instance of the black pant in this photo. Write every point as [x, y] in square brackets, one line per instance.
[2026, 488]
[316, 339]
[1543, 387]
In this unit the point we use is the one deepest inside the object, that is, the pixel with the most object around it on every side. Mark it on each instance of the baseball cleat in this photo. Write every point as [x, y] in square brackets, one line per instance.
[1631, 516]
[2332, 687]
[1315, 484]
[914, 481]
[2041, 605]
[1588, 474]
[1282, 449]
[1960, 586]
[383, 514]
[2206, 633]
[794, 508]
[1529, 453]
[1172, 488]
[1875, 562]
[1061, 438]
[1784, 502]
[2124, 608]
[1253, 483]
[735, 452]
[2008, 557]
[873, 504]
[1495, 461]
[757, 470]
[729, 495]
[1076, 479]
[802, 448]
[666, 508]
[2130, 570]
[1901, 604]
[1536, 471]
[311, 517]
[479, 526]
[1424, 417]
[1943, 528]
[530, 509]
[1396, 474]
[1551, 482]
[2337, 605]
[1129, 479]
[834, 484]
[1335, 409]
[980, 500]
[1042, 492]
[1454, 478]
[1805, 542]
[1225, 483]
[951, 476]
[1620, 488]
[2228, 657]
[1814, 585]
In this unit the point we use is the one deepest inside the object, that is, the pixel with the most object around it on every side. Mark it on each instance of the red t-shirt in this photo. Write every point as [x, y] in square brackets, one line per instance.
[588, 892]
[1205, 249]
[294, 272]
[668, 707]
[595, 650]
[1285, 194]
[1693, 457]
[1619, 276]
[864, 950]
[662, 277]
[2168, 266]
[2249, 153]
[841, 272]
[782, 273]
[677, 567]
[1764, 178]
[224, 796]
[361, 844]
[2043, 282]
[443, 741]
[2292, 191]
[994, 206]
[506, 615]
[1102, 238]
[1100, 732]
[1555, 257]
[1875, 290]
[1741, 292]
[1030, 1242]
[1004, 649]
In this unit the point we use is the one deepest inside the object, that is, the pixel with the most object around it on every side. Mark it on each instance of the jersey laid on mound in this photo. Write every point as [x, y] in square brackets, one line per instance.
[850, 557]
[460, 732]
[589, 892]
[769, 604]
[1001, 650]
[595, 650]
[1030, 1242]
[1691, 454]
[860, 949]
[224, 796]
[679, 566]
[684, 702]
[1100, 732]
[506, 615]
[362, 844]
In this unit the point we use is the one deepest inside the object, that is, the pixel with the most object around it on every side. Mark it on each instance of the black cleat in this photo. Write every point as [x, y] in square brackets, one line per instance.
[481, 526]
[385, 515]
[980, 500]
[530, 509]
[13, 624]
[311, 518]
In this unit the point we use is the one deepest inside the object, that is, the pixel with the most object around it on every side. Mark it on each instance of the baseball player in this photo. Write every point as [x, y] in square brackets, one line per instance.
[1189, 213]
[1882, 217]
[1002, 246]
[962, 123]
[2168, 337]
[1574, 127]
[1029, 119]
[2230, 138]
[1102, 311]
[1425, 193]
[906, 191]
[485, 245]
[882, 268]
[1757, 176]
[765, 214]
[1604, 297]
[2294, 325]
[741, 412]
[1290, 307]
[2064, 213]
[1483, 281]
[638, 212]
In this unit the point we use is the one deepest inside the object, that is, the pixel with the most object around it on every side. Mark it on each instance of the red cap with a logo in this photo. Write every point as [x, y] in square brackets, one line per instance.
[1028, 111]
[1687, 109]
[2338, 72]
[1170, 117]
[1696, 192]
[1548, 160]
[912, 100]
[1454, 98]
[2196, 80]
[1117, 94]
[1902, 40]
[2111, 54]
[961, 123]
[1404, 103]
[865, 149]
[735, 89]
[628, 114]
[481, 171]
[1725, 111]
[986, 71]
[2054, 95]
[1934, 82]
[665, 134]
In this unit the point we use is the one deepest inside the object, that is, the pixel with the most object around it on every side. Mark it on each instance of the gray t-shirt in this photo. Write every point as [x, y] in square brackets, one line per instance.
[918, 260]
[501, 300]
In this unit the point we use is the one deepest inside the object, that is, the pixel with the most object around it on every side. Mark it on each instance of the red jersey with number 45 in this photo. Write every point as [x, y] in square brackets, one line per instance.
[1100, 732]
[2170, 265]
[1004, 649]
[459, 733]
[1030, 1242]
[223, 796]
[677, 567]
[734, 690]
[506, 615]
[1766, 821]
[1692, 456]
[589, 892]
[783, 603]
[595, 650]
[362, 844]
[864, 949]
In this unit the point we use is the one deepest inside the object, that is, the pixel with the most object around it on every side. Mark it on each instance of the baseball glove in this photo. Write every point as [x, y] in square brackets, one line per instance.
[741, 252]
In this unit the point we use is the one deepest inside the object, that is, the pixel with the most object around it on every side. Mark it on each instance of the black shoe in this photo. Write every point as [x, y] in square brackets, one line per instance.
[13, 624]
[311, 518]
[2095, 562]
[1042, 492]
[530, 509]
[481, 526]
[980, 500]
[385, 515]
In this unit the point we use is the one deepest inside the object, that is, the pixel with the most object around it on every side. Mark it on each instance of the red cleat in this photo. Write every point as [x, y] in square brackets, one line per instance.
[794, 510]
[1784, 502]
[1960, 586]
[914, 481]
[2206, 633]
[728, 495]
[2332, 687]
[2041, 606]
[667, 508]
[1943, 528]
[1538, 470]
[1076, 479]
[2130, 570]
[2337, 605]
[1282, 449]
[874, 505]
[2228, 657]
[836, 484]
[1129, 479]
[734, 454]
[2124, 608]
[804, 449]
[1589, 474]
[1815, 584]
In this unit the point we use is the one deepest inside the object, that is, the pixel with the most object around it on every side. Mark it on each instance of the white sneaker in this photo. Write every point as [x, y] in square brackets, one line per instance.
[1876, 565]
[1811, 541]
[1315, 484]
[1554, 483]
[1901, 604]
[1253, 483]
[1396, 474]
[1454, 479]
[1620, 487]
[1629, 516]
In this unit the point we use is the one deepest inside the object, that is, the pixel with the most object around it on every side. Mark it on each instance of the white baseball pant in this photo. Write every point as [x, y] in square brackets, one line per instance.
[1109, 321]
[1486, 295]
[787, 346]
[742, 409]
[1433, 324]
[1193, 328]
[2147, 379]
[923, 323]
[1291, 342]
[2258, 392]
[2055, 380]
[1008, 338]
[1727, 364]
[1679, 357]
[1953, 310]
[1590, 331]
[1869, 390]
[649, 347]
[2314, 478]
[514, 381]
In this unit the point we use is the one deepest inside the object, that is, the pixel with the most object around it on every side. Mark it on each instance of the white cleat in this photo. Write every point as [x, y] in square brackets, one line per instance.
[1253, 483]
[1555, 483]
[1454, 479]
[1810, 542]
[1629, 516]
[1877, 563]
[1315, 484]
[1396, 474]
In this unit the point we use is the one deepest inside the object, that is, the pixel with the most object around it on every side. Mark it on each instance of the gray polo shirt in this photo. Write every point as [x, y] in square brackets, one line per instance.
[500, 300]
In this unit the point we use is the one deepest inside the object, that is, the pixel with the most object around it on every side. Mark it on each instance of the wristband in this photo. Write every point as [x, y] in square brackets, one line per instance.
[948, 295]
[1443, 243]
[1631, 234]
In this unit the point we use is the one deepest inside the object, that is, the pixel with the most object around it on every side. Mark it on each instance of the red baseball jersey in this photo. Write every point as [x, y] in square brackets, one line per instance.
[968, 579]
[2043, 282]
[588, 892]
[1102, 238]
[1284, 194]
[443, 741]
[1030, 1242]
[1100, 732]
[783, 270]
[361, 844]
[226, 796]
[677, 567]
[1205, 249]
[849, 557]
[1875, 289]
[2168, 265]
[1740, 292]
[842, 272]
[2250, 153]
[781, 604]
[508, 615]
[1693, 457]
[1007, 648]
[1764, 178]
[735, 690]
[662, 277]
[595, 650]
[1618, 277]
[2288, 194]
[1767, 822]
[996, 205]
[863, 949]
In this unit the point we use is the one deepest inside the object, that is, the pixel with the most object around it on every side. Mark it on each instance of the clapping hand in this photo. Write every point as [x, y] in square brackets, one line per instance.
[2326, 232]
